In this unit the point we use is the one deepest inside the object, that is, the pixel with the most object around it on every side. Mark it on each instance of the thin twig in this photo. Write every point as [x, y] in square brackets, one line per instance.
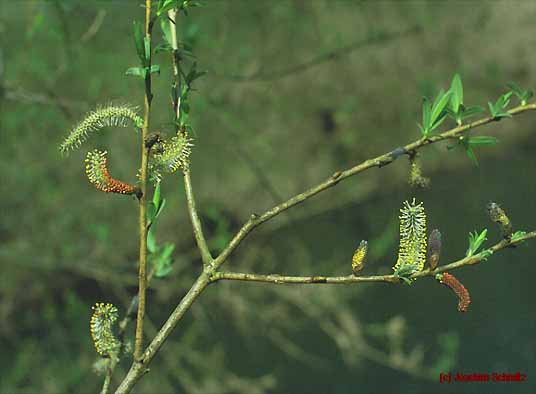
[340, 280]
[206, 257]
[380, 161]
[138, 346]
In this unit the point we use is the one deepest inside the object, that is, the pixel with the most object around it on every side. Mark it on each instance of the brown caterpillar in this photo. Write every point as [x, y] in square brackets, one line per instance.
[459, 289]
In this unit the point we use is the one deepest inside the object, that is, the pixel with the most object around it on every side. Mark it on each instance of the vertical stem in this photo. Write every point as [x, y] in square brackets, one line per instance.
[142, 276]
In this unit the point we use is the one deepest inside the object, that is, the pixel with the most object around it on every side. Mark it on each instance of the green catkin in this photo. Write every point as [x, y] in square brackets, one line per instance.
[102, 320]
[412, 250]
[109, 116]
[173, 154]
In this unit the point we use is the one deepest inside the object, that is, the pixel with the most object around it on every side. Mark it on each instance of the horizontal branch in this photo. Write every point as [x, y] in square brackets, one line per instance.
[340, 280]
[338, 176]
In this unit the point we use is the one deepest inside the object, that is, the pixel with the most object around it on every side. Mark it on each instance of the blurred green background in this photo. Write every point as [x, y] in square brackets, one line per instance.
[276, 114]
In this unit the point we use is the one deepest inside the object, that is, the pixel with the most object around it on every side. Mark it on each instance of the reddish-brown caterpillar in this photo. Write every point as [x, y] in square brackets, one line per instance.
[98, 175]
[459, 289]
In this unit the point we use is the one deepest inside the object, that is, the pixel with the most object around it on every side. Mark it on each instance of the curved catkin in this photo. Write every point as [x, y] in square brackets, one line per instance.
[461, 292]
[412, 249]
[358, 259]
[98, 175]
[109, 116]
[100, 326]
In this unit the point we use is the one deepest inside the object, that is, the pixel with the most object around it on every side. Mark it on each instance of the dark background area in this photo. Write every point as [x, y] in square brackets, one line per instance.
[274, 115]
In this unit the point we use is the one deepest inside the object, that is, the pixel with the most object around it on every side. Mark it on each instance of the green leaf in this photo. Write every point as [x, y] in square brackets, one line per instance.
[156, 196]
[440, 104]
[137, 72]
[151, 241]
[426, 114]
[475, 241]
[523, 95]
[155, 68]
[518, 234]
[482, 141]
[151, 212]
[160, 208]
[456, 99]
[515, 88]
[147, 46]
[166, 6]
[471, 111]
[138, 41]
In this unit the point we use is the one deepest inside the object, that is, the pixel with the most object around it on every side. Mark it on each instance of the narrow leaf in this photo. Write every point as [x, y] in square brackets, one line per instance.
[456, 88]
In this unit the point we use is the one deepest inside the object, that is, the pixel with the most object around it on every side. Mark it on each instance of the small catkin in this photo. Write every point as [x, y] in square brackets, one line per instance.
[497, 215]
[100, 326]
[461, 292]
[416, 179]
[434, 248]
[359, 257]
[109, 116]
[98, 175]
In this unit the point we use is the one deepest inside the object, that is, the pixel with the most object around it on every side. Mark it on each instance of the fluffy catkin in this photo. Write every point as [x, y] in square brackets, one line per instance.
[109, 116]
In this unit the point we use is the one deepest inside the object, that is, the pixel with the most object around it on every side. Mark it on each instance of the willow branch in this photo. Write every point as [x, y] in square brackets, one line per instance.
[338, 176]
[142, 275]
[341, 280]
[206, 257]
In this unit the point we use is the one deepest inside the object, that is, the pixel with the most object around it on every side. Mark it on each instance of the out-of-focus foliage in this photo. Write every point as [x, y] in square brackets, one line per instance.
[275, 114]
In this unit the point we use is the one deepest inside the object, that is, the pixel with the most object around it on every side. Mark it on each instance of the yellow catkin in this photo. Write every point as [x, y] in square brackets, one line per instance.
[412, 250]
[358, 260]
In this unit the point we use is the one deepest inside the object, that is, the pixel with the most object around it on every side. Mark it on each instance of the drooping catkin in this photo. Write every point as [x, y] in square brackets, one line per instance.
[98, 175]
[455, 285]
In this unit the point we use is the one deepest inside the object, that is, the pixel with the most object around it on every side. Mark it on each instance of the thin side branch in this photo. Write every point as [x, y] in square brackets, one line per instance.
[338, 176]
[206, 257]
[340, 280]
